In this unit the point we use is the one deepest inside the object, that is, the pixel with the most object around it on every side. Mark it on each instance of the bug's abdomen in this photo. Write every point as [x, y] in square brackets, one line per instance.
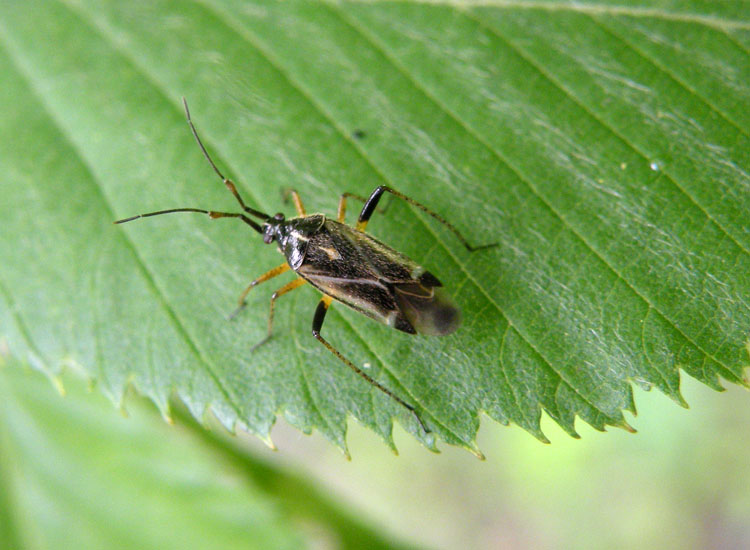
[373, 299]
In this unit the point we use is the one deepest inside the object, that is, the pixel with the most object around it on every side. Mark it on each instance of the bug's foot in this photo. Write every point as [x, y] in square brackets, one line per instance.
[481, 247]
[256, 346]
[425, 429]
[236, 311]
[286, 194]
[413, 411]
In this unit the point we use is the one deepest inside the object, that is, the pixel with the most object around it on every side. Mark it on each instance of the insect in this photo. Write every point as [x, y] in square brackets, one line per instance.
[347, 265]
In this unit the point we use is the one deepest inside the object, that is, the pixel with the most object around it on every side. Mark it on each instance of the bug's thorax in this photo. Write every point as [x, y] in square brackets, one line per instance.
[292, 235]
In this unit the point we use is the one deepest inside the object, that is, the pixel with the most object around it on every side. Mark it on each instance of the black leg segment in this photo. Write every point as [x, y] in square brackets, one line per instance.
[320, 315]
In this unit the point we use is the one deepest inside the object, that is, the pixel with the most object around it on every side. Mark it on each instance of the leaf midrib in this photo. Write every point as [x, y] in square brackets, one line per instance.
[172, 314]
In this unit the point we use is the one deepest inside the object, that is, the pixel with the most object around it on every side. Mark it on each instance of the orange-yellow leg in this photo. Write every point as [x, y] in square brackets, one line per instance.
[283, 268]
[298, 206]
[342, 208]
[283, 290]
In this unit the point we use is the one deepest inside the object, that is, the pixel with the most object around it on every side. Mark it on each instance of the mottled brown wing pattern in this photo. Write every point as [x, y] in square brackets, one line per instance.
[372, 278]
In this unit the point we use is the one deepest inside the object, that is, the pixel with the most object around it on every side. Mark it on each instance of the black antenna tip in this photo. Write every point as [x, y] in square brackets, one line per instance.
[125, 220]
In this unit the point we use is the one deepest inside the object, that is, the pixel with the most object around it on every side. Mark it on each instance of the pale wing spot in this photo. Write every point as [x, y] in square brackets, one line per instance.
[332, 253]
[391, 319]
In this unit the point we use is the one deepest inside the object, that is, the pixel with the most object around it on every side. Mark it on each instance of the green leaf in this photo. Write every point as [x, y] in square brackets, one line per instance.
[603, 146]
[76, 475]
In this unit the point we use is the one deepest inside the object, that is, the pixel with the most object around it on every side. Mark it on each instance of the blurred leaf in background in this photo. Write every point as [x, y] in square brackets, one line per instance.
[604, 146]
[75, 475]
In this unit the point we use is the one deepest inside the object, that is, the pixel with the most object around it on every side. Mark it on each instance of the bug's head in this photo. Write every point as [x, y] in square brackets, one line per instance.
[273, 228]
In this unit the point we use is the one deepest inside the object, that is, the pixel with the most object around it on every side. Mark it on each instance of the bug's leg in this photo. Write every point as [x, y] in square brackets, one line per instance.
[342, 205]
[283, 290]
[372, 203]
[341, 217]
[298, 206]
[263, 278]
[320, 314]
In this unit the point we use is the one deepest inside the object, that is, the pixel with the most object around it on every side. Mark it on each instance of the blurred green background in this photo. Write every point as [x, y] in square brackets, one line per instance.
[683, 481]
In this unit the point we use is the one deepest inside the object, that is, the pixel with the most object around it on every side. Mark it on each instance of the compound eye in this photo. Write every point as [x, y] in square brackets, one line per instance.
[279, 217]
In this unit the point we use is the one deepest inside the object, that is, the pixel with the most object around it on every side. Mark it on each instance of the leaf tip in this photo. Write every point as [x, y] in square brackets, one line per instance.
[58, 383]
[628, 428]
[431, 443]
[342, 446]
[266, 439]
[166, 414]
[472, 448]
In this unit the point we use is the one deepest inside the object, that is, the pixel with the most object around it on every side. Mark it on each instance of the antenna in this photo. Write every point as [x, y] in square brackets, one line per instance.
[230, 185]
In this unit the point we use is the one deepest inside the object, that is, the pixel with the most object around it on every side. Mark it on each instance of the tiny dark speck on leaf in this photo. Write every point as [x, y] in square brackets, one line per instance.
[359, 134]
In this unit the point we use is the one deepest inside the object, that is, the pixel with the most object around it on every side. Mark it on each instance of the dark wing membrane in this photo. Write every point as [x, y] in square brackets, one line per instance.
[373, 299]
[429, 309]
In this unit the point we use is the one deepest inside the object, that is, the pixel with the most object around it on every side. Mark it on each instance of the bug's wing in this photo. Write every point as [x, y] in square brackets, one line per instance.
[429, 309]
[358, 270]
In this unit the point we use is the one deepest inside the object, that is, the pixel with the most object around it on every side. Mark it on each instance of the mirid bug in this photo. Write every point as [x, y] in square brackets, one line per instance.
[347, 265]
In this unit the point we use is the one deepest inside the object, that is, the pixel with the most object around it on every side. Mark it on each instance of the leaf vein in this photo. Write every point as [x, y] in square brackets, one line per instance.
[308, 388]
[448, 250]
[671, 74]
[565, 91]
[522, 178]
[246, 35]
[147, 275]
[576, 7]
[36, 355]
